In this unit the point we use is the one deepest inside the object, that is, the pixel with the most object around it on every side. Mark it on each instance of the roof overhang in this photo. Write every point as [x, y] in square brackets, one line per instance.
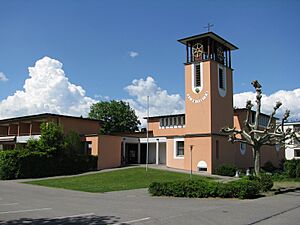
[8, 139]
[212, 35]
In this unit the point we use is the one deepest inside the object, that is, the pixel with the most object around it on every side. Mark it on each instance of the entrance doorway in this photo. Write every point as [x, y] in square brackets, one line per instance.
[131, 153]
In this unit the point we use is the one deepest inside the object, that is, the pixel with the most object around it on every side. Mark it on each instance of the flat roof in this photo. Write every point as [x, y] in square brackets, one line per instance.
[245, 109]
[163, 116]
[211, 35]
[292, 123]
[43, 115]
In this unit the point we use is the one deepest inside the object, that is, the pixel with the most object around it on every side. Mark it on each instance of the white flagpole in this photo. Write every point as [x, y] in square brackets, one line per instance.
[147, 152]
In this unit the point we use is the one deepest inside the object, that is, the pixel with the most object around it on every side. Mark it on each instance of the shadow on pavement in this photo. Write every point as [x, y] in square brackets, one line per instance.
[91, 220]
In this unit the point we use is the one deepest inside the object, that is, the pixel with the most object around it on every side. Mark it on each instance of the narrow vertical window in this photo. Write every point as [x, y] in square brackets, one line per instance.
[170, 121]
[217, 149]
[221, 79]
[180, 148]
[197, 75]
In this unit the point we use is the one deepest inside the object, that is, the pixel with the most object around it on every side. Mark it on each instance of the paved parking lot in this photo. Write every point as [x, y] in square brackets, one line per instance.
[28, 204]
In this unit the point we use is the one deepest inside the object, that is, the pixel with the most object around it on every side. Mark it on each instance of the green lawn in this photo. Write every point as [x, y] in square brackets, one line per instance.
[124, 179]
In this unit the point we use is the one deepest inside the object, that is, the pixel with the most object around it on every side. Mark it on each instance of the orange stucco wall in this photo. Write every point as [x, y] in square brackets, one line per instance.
[198, 115]
[154, 126]
[171, 161]
[80, 126]
[108, 150]
[201, 152]
[109, 155]
[222, 107]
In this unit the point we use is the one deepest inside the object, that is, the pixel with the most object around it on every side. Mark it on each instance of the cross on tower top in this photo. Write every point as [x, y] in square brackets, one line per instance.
[209, 26]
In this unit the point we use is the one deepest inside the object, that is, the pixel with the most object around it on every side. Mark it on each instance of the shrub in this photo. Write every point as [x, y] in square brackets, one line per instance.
[269, 167]
[226, 170]
[290, 168]
[298, 169]
[9, 165]
[16, 164]
[202, 189]
[266, 182]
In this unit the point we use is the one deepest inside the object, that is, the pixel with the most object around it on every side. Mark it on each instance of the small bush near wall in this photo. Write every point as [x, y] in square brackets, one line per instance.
[226, 170]
[265, 181]
[292, 168]
[269, 167]
[243, 188]
[15, 164]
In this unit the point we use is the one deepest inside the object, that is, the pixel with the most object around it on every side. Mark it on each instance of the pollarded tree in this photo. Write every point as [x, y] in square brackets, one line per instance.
[117, 116]
[254, 135]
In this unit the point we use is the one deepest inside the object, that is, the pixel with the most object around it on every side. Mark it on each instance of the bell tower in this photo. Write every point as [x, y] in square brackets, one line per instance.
[208, 84]
[208, 101]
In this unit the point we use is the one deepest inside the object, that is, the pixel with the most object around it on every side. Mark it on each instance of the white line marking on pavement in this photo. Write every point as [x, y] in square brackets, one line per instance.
[133, 221]
[26, 210]
[78, 215]
[4, 204]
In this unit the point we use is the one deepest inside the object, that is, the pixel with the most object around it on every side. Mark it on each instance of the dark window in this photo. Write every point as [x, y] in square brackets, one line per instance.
[170, 121]
[296, 128]
[88, 147]
[202, 169]
[297, 152]
[221, 79]
[197, 75]
[183, 120]
[217, 149]
[180, 148]
[253, 117]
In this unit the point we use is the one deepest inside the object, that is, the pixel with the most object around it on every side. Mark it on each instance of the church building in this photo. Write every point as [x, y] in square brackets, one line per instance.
[193, 140]
[189, 141]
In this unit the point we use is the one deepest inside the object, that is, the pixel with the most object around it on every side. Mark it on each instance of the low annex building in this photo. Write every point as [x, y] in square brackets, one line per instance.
[185, 141]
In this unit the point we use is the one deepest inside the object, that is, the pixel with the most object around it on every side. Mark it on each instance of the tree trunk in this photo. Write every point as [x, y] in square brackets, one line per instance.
[256, 158]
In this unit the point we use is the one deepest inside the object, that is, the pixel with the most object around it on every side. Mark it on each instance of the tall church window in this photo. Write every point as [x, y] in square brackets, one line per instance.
[197, 75]
[221, 79]
[217, 149]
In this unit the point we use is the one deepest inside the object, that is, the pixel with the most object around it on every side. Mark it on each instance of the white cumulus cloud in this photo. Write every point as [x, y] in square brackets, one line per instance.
[133, 54]
[47, 90]
[3, 77]
[290, 100]
[160, 101]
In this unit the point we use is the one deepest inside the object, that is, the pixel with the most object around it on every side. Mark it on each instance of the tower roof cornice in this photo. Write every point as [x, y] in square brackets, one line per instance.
[212, 35]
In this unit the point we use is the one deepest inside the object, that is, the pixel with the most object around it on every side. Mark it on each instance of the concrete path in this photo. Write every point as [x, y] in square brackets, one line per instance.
[152, 166]
[29, 204]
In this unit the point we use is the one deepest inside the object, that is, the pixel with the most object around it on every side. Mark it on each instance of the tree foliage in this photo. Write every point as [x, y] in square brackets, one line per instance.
[256, 136]
[117, 116]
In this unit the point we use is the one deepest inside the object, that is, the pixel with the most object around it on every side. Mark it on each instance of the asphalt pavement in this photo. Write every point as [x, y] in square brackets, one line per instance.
[28, 204]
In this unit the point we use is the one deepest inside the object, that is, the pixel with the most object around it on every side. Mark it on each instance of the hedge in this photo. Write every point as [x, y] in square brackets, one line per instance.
[292, 168]
[226, 170]
[16, 164]
[243, 188]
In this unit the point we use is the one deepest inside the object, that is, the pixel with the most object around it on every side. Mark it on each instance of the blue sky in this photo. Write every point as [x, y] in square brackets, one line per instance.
[93, 40]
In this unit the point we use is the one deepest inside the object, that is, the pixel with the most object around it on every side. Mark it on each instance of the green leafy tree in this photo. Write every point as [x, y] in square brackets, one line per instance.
[117, 116]
[52, 137]
[73, 143]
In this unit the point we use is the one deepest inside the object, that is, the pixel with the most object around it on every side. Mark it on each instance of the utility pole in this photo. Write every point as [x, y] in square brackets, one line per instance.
[191, 172]
[147, 151]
